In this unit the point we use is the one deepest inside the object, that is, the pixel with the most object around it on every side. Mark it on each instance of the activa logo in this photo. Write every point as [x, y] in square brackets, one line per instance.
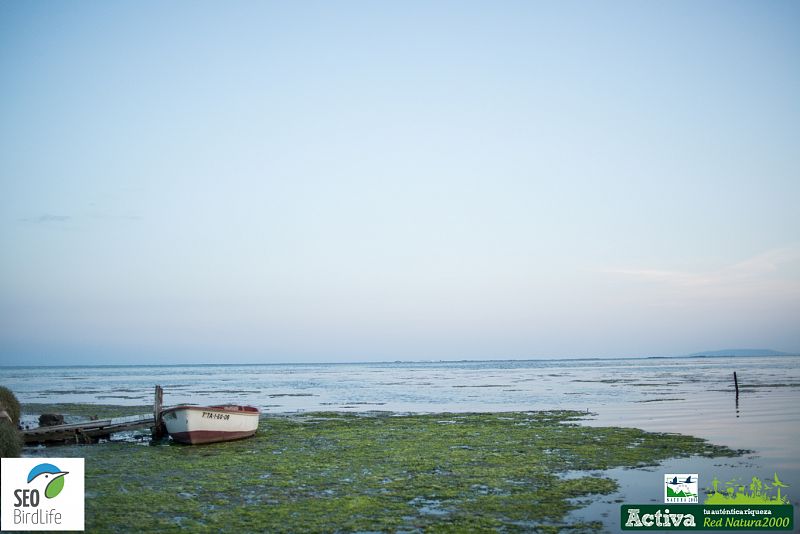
[662, 519]
[41, 495]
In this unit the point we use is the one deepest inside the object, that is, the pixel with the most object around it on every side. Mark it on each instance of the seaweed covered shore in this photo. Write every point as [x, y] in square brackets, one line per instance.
[376, 472]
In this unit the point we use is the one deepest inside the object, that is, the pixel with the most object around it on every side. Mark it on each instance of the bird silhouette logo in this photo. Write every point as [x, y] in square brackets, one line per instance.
[681, 488]
[50, 476]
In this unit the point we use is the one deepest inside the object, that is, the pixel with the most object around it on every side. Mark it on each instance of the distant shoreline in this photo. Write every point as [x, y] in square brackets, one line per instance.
[715, 354]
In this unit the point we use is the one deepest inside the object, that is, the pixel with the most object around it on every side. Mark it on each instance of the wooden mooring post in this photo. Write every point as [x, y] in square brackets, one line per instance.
[736, 384]
[159, 430]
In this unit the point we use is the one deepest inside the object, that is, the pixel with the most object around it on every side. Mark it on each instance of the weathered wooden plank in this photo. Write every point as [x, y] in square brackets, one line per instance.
[91, 431]
[86, 432]
[69, 426]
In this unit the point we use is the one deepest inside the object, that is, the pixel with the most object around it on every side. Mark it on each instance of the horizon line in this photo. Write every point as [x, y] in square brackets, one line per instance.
[384, 362]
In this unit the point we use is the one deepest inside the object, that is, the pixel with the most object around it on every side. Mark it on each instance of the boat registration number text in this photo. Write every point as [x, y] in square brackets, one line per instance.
[212, 415]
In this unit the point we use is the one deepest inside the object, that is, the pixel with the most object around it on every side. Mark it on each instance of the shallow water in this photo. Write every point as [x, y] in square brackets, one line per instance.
[685, 395]
[638, 385]
[763, 420]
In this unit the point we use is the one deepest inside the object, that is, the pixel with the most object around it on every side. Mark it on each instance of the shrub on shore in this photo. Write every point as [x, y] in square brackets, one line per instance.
[10, 441]
[10, 438]
[9, 403]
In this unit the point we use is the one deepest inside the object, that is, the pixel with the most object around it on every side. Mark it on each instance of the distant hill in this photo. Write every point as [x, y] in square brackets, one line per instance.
[741, 352]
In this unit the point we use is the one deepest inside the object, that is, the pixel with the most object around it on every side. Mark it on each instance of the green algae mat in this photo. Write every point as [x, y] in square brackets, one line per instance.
[333, 472]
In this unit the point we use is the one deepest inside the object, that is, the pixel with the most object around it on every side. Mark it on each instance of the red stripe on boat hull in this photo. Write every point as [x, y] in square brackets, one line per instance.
[198, 437]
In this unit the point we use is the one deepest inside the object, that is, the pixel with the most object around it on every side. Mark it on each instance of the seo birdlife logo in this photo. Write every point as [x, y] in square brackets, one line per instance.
[42, 495]
[53, 478]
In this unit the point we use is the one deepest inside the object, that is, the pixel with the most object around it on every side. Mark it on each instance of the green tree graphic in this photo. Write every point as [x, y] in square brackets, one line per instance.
[736, 492]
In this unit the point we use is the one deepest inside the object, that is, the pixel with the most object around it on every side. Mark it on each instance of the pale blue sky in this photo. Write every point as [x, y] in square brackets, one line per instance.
[349, 181]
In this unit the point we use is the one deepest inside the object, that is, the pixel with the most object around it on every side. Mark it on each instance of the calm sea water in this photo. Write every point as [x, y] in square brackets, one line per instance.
[687, 395]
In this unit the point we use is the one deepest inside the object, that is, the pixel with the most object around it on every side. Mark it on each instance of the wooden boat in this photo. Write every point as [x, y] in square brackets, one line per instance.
[209, 424]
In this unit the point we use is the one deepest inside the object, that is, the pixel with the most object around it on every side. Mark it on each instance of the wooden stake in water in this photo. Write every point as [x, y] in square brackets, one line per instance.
[158, 427]
[736, 383]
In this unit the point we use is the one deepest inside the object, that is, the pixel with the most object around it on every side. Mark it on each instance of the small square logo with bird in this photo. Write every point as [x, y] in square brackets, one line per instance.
[42, 494]
[680, 488]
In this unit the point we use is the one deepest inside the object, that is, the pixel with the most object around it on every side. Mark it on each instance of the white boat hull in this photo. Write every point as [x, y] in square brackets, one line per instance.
[209, 424]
